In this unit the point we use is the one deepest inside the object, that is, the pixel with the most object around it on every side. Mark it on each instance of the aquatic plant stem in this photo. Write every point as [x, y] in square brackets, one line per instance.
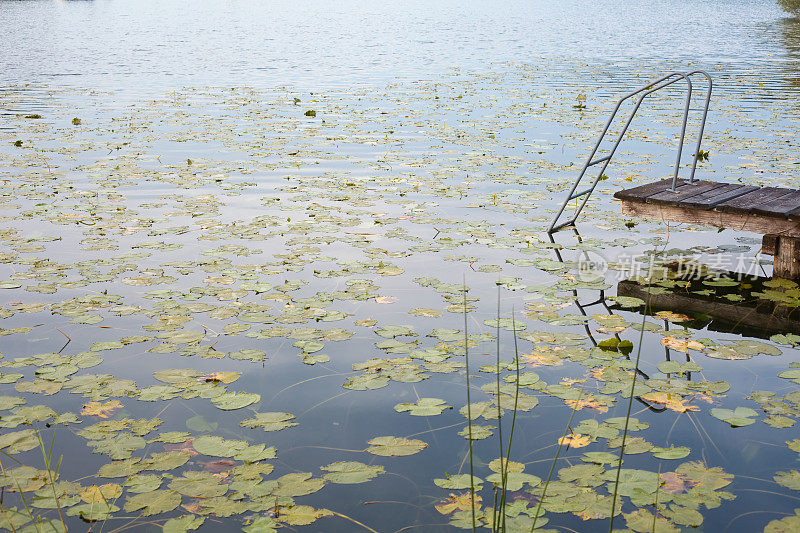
[628, 413]
[553, 465]
[655, 503]
[353, 520]
[513, 420]
[469, 407]
[497, 512]
[47, 456]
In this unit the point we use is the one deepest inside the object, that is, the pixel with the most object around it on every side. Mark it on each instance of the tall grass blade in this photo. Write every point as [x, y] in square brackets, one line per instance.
[513, 420]
[553, 464]
[469, 409]
[497, 513]
[628, 415]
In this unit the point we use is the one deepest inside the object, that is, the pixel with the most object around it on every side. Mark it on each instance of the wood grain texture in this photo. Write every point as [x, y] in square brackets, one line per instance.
[686, 191]
[643, 191]
[758, 198]
[739, 221]
[711, 199]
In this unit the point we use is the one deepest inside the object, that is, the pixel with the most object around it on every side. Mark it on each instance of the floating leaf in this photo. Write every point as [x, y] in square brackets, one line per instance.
[395, 446]
[301, 515]
[269, 421]
[143, 482]
[119, 446]
[101, 493]
[790, 480]
[575, 440]
[476, 432]
[102, 410]
[230, 401]
[348, 472]
[792, 375]
[154, 502]
[194, 484]
[298, 484]
[19, 441]
[738, 417]
[788, 524]
[217, 446]
[423, 407]
[643, 521]
[671, 453]
[458, 482]
[183, 524]
[464, 502]
[93, 511]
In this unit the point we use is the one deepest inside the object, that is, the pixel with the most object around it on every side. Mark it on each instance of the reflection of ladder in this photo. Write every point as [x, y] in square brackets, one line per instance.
[642, 92]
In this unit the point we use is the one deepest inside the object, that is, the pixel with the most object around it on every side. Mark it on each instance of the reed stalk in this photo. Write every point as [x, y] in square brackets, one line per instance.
[469, 409]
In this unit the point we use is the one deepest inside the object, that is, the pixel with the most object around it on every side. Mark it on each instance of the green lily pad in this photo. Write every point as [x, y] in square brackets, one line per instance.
[395, 446]
[143, 482]
[459, 482]
[217, 446]
[230, 401]
[153, 502]
[788, 524]
[183, 524]
[736, 418]
[19, 441]
[791, 375]
[93, 512]
[298, 484]
[196, 485]
[423, 407]
[477, 432]
[269, 421]
[671, 453]
[301, 515]
[348, 472]
[790, 480]
[119, 446]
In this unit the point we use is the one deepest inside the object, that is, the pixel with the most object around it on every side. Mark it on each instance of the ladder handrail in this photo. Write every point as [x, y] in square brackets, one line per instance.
[645, 90]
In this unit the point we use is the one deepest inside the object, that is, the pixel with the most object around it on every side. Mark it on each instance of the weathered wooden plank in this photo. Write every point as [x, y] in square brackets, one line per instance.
[643, 191]
[786, 261]
[721, 219]
[746, 203]
[687, 191]
[708, 200]
[780, 206]
[769, 244]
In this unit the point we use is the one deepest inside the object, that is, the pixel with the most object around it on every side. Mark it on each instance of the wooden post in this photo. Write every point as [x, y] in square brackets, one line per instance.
[786, 255]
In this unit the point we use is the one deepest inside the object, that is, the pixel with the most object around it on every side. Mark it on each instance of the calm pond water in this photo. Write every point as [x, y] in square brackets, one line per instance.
[236, 237]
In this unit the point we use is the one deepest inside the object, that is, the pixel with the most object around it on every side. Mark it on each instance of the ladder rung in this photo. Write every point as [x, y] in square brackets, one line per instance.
[562, 225]
[596, 161]
[579, 194]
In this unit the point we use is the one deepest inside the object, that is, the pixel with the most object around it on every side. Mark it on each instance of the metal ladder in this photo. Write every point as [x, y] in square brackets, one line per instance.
[651, 87]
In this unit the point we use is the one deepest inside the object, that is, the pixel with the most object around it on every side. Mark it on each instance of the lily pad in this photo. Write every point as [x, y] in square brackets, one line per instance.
[230, 401]
[153, 502]
[423, 407]
[349, 472]
[737, 417]
[269, 421]
[395, 446]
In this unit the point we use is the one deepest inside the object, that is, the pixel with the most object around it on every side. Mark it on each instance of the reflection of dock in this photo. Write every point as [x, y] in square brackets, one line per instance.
[752, 314]
[772, 211]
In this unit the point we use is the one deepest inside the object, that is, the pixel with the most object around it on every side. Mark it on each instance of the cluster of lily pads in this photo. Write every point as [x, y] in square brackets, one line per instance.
[174, 253]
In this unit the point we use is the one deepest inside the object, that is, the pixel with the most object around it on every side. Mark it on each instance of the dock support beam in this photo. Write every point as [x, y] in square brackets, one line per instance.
[786, 255]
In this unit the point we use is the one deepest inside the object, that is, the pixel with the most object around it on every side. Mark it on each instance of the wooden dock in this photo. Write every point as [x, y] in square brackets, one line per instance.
[771, 211]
